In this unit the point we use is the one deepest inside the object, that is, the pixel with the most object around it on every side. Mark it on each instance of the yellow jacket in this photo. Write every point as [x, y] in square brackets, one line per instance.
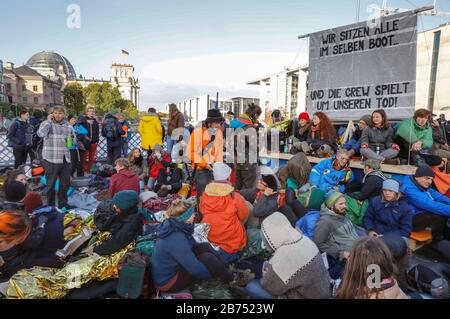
[151, 131]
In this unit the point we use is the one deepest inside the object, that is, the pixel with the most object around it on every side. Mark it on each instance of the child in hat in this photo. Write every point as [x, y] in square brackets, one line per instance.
[389, 212]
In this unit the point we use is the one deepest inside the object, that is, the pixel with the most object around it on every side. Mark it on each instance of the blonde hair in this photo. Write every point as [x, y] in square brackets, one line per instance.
[59, 108]
[177, 208]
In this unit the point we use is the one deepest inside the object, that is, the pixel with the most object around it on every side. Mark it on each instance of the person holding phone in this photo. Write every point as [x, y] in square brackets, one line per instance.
[56, 132]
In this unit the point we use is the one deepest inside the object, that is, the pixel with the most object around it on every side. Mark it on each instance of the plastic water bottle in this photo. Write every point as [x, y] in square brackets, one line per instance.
[69, 141]
[290, 144]
[286, 147]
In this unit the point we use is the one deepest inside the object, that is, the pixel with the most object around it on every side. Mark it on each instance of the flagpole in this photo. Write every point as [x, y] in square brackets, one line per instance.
[217, 100]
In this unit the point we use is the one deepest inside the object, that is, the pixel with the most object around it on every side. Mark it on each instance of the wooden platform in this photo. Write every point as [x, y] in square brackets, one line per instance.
[393, 169]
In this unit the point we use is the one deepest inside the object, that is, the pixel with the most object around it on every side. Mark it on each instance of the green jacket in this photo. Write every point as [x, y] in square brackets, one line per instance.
[355, 212]
[411, 132]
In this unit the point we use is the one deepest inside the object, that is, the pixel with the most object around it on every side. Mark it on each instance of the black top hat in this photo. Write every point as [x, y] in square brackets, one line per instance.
[214, 115]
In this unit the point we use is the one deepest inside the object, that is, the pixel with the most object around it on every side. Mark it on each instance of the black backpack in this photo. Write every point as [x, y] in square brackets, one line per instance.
[421, 276]
[110, 129]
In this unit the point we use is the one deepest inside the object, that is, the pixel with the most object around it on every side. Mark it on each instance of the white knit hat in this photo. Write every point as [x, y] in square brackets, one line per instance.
[145, 196]
[221, 171]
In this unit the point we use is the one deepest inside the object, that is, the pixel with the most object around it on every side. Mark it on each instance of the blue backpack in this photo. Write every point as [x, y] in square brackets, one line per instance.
[307, 224]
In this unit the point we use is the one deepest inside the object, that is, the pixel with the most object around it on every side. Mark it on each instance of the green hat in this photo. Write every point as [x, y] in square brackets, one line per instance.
[186, 215]
[331, 197]
[316, 198]
[312, 200]
[373, 163]
[125, 199]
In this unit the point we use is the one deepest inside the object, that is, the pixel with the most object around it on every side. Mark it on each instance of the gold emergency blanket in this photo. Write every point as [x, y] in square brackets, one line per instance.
[49, 283]
[75, 223]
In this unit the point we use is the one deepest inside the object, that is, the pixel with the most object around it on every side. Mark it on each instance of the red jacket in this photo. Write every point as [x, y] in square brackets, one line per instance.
[156, 164]
[123, 180]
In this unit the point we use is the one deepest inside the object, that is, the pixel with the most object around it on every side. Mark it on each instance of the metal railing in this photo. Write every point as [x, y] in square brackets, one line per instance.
[7, 157]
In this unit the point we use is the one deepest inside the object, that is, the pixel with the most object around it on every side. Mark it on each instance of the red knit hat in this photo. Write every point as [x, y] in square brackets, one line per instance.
[32, 201]
[303, 116]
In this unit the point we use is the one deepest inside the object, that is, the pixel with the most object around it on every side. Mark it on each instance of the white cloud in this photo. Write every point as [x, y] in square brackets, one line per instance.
[228, 70]
[174, 80]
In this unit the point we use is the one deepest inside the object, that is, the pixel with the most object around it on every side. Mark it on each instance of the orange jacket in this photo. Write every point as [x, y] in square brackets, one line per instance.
[225, 211]
[441, 181]
[198, 141]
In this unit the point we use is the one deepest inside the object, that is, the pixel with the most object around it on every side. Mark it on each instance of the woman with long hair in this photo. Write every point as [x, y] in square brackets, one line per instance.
[322, 136]
[176, 121]
[370, 272]
[377, 140]
[138, 165]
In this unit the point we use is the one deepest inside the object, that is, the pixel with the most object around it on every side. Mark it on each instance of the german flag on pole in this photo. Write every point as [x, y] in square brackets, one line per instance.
[125, 53]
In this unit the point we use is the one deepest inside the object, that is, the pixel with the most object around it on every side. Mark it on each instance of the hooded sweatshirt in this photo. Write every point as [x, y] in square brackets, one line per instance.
[298, 168]
[334, 233]
[372, 186]
[173, 252]
[124, 229]
[296, 269]
[123, 180]
[225, 211]
[151, 131]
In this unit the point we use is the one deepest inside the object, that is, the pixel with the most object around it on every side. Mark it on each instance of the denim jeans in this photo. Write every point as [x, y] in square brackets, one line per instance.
[170, 144]
[151, 183]
[125, 148]
[256, 291]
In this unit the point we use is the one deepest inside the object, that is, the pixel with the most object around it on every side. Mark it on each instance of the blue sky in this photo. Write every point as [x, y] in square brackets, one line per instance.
[181, 48]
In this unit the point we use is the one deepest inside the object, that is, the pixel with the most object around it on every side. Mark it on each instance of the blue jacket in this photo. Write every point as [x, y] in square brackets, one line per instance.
[20, 133]
[324, 176]
[425, 200]
[307, 224]
[173, 251]
[384, 217]
[79, 132]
